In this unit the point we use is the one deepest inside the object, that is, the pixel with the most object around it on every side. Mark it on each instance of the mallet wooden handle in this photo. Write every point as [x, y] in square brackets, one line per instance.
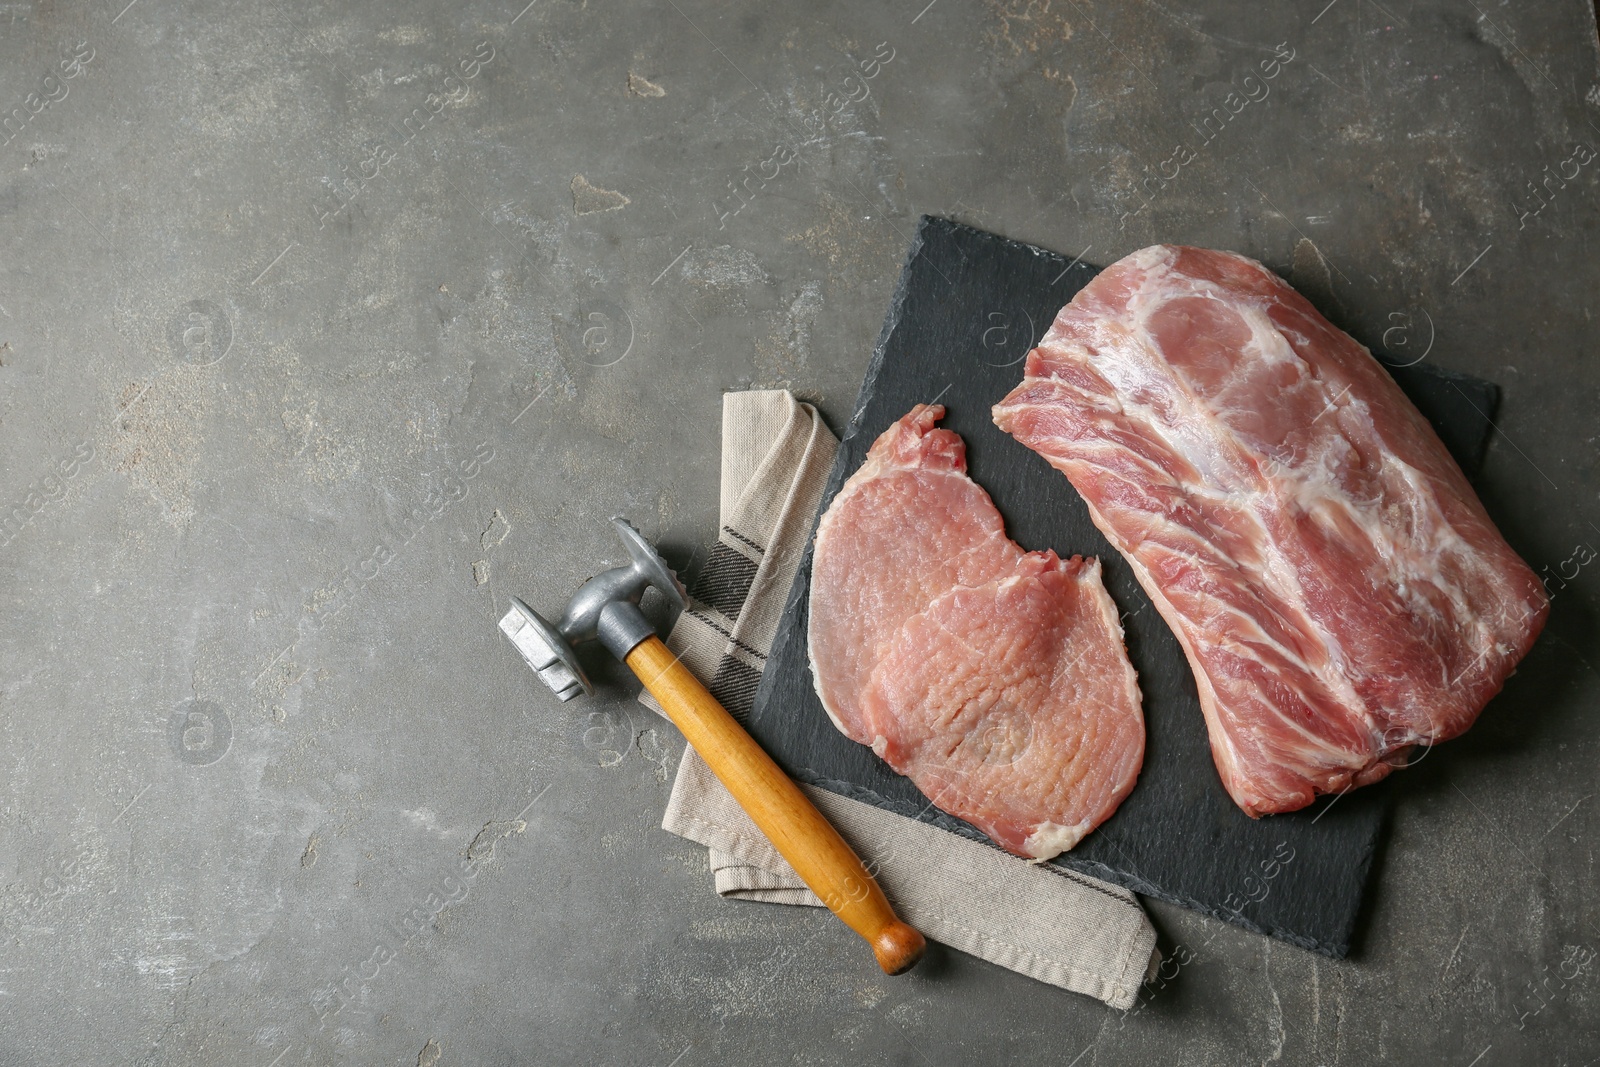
[775, 803]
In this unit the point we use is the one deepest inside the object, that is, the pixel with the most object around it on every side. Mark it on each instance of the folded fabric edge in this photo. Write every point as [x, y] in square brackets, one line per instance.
[745, 881]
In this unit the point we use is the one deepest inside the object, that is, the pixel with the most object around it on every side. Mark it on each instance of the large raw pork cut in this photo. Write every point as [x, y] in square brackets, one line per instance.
[1338, 588]
[995, 679]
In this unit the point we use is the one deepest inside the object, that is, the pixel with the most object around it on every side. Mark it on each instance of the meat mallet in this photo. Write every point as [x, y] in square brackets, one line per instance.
[606, 607]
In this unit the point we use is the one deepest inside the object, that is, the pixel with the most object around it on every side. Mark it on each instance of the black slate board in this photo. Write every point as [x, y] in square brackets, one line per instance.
[968, 308]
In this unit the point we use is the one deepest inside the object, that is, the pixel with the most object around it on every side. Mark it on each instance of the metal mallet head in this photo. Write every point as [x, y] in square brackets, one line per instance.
[606, 607]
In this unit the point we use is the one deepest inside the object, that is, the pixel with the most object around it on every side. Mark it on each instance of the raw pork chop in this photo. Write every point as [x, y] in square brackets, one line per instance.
[907, 527]
[1013, 705]
[995, 679]
[1338, 588]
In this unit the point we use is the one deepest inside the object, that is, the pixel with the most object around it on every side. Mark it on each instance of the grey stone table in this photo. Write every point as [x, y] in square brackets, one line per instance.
[326, 328]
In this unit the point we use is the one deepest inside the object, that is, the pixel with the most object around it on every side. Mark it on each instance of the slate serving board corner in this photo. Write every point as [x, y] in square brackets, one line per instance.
[968, 307]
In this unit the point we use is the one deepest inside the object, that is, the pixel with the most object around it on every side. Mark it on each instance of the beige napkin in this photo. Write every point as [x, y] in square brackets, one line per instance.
[1059, 927]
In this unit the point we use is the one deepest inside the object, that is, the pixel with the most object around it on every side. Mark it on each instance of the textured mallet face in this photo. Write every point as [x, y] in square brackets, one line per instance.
[542, 647]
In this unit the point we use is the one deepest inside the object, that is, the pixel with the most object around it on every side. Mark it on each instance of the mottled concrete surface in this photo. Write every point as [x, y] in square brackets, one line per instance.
[323, 329]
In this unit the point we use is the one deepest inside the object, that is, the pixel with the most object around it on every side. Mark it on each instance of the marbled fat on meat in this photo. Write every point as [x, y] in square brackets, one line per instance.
[995, 679]
[1340, 592]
